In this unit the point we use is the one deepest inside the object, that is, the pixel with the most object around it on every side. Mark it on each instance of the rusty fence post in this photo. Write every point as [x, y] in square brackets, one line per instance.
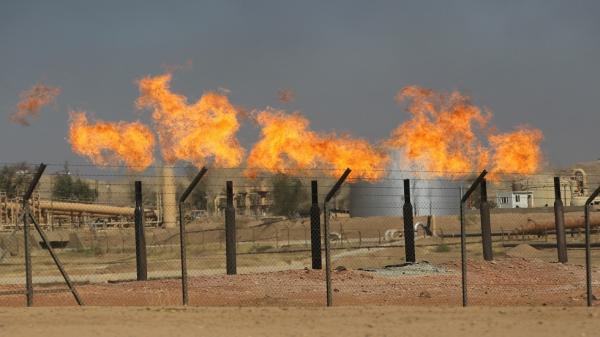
[463, 235]
[559, 221]
[182, 235]
[315, 227]
[588, 257]
[328, 197]
[409, 229]
[141, 261]
[230, 238]
[486, 228]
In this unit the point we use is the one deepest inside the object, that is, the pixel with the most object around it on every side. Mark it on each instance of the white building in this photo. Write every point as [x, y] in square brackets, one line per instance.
[515, 199]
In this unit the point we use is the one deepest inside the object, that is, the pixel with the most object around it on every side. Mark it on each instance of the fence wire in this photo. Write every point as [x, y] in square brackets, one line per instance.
[88, 216]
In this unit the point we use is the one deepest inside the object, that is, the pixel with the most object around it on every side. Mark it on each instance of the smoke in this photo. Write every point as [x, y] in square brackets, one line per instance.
[286, 95]
[32, 101]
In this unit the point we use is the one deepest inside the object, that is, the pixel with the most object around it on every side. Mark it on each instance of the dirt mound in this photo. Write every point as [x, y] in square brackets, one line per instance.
[526, 251]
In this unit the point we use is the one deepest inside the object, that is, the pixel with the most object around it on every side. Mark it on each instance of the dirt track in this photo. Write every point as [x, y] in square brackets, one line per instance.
[269, 321]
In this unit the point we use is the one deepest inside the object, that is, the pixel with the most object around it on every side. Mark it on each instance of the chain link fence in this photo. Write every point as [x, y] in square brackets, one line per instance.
[88, 218]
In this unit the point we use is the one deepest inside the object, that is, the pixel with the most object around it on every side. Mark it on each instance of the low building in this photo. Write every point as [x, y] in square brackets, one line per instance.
[515, 199]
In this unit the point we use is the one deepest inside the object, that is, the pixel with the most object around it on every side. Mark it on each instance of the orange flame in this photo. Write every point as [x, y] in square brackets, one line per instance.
[287, 144]
[517, 152]
[192, 132]
[105, 143]
[32, 101]
[443, 136]
[442, 132]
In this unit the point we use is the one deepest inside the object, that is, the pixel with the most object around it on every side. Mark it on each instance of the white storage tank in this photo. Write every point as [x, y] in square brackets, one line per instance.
[430, 194]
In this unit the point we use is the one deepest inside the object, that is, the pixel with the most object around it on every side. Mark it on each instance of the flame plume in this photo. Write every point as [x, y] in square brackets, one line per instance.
[444, 134]
[32, 101]
[105, 143]
[192, 132]
[287, 144]
[517, 152]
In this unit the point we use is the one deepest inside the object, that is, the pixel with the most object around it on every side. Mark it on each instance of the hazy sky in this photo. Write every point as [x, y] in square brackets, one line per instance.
[533, 62]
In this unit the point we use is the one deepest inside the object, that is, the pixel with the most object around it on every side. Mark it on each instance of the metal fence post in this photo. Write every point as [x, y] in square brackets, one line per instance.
[182, 235]
[28, 272]
[26, 233]
[588, 258]
[409, 229]
[463, 235]
[486, 229]
[140, 237]
[559, 220]
[27, 215]
[463, 252]
[328, 197]
[315, 227]
[230, 239]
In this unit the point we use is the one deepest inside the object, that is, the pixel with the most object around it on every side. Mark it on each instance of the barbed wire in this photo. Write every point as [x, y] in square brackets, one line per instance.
[290, 170]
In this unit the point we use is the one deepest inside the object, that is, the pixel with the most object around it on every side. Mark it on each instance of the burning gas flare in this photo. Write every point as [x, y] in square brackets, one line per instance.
[442, 134]
[287, 144]
[32, 101]
[446, 135]
[192, 132]
[516, 152]
[106, 143]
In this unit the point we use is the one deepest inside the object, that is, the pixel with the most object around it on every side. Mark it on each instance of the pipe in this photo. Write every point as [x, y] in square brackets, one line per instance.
[62, 206]
[570, 223]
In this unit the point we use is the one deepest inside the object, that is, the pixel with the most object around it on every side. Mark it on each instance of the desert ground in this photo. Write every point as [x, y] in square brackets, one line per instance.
[283, 321]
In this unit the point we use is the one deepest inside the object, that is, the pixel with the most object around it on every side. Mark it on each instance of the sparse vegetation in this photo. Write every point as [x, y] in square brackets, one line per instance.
[14, 179]
[442, 248]
[67, 188]
[289, 195]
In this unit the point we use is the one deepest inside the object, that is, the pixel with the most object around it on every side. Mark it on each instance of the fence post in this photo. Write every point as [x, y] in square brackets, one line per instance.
[409, 229]
[26, 233]
[486, 229]
[328, 197]
[588, 258]
[559, 220]
[140, 237]
[230, 238]
[463, 235]
[28, 272]
[55, 258]
[315, 227]
[182, 235]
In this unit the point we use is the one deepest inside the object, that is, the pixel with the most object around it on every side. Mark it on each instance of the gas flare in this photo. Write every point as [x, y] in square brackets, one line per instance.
[107, 143]
[32, 101]
[442, 133]
[516, 152]
[287, 144]
[192, 132]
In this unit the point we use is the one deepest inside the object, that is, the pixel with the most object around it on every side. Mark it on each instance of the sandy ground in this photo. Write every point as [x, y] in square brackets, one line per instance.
[269, 321]
[511, 281]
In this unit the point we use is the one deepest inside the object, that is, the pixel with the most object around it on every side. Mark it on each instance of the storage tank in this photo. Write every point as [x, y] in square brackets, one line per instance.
[430, 194]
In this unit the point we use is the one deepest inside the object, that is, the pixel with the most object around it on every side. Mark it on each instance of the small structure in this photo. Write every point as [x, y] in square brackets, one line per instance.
[515, 199]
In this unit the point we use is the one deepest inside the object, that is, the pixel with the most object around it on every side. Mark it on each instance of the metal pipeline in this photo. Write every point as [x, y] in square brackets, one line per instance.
[570, 222]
